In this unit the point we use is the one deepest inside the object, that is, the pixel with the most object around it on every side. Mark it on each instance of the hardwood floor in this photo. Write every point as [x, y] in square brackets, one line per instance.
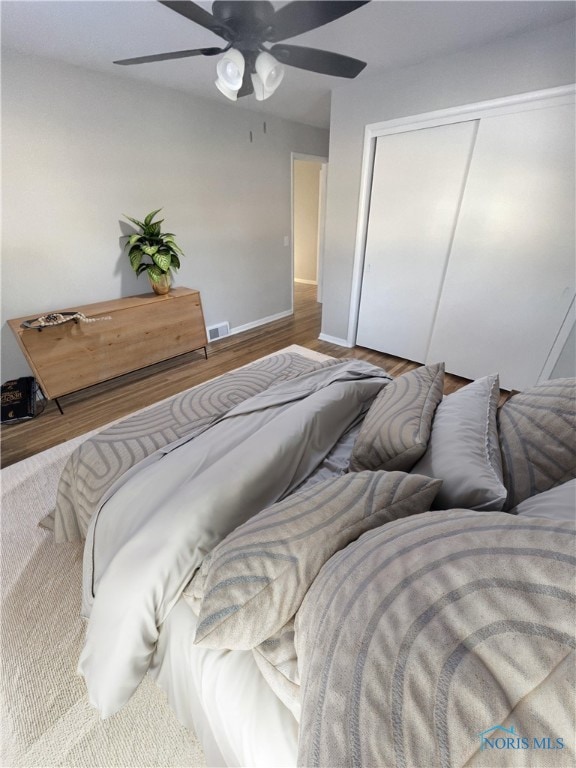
[93, 407]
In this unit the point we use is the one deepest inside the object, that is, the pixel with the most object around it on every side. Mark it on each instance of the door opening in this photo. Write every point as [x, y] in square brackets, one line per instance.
[309, 175]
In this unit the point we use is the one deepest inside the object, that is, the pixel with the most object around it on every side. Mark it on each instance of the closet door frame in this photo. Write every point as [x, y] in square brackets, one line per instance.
[550, 97]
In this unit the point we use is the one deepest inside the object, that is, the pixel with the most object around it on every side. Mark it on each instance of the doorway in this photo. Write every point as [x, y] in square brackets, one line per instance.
[309, 177]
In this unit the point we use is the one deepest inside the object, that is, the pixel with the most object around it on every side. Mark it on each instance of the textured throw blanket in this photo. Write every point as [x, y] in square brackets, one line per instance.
[147, 539]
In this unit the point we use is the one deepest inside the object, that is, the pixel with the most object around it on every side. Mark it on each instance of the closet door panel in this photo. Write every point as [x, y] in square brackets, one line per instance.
[417, 187]
[510, 277]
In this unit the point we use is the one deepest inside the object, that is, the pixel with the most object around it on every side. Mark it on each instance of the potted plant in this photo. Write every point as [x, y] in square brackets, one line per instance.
[153, 251]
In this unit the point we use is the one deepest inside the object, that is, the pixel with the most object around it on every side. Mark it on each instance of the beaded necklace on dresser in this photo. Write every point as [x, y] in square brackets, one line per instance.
[57, 318]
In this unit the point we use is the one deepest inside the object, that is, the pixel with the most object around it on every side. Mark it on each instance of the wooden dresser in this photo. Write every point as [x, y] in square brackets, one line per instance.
[142, 330]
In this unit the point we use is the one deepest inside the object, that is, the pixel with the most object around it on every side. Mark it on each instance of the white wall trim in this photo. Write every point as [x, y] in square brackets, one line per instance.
[361, 233]
[262, 321]
[559, 343]
[335, 340]
[306, 282]
[521, 102]
[542, 99]
[310, 158]
[322, 193]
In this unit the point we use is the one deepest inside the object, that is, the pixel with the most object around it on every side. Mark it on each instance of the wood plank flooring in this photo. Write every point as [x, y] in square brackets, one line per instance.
[93, 407]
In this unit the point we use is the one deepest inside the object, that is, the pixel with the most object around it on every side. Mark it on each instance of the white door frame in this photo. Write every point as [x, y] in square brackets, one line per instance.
[525, 101]
[321, 216]
[321, 228]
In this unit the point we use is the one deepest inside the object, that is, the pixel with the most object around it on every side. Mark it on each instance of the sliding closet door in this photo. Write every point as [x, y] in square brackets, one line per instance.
[510, 278]
[417, 187]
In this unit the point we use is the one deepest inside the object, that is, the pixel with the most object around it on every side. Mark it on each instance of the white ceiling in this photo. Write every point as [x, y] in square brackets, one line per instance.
[387, 34]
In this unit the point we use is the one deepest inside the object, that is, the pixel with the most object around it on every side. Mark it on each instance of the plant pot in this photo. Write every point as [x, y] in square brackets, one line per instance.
[162, 286]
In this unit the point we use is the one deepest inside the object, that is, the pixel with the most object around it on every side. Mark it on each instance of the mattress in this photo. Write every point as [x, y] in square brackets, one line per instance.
[222, 696]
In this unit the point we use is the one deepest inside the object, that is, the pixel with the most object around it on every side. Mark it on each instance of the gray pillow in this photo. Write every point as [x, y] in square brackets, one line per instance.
[558, 503]
[463, 450]
[254, 581]
[537, 431]
[396, 429]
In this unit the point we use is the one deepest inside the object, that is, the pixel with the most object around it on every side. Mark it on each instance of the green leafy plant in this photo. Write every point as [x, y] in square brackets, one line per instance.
[152, 250]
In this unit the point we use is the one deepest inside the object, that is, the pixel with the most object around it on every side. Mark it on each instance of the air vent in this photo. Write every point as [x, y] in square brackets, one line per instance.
[218, 331]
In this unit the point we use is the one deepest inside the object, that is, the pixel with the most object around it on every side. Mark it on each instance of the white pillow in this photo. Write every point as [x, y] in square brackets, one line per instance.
[558, 503]
[463, 450]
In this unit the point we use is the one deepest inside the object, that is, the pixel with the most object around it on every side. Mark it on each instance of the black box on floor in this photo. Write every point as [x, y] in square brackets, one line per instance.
[19, 399]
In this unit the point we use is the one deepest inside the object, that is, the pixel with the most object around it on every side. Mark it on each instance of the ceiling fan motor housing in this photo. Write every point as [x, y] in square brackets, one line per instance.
[246, 25]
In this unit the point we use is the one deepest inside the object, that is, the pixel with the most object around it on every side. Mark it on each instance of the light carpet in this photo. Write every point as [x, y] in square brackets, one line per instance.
[46, 718]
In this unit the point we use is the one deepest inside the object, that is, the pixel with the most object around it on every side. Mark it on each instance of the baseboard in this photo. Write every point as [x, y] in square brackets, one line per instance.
[262, 321]
[335, 340]
[306, 282]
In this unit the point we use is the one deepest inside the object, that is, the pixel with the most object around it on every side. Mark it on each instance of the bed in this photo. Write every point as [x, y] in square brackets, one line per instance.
[324, 566]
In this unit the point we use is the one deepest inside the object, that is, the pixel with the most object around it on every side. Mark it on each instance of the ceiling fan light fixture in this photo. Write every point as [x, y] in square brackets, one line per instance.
[230, 94]
[230, 70]
[260, 93]
[269, 74]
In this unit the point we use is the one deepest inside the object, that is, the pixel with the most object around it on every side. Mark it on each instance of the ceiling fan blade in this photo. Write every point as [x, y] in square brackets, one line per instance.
[195, 13]
[303, 15]
[174, 55]
[314, 60]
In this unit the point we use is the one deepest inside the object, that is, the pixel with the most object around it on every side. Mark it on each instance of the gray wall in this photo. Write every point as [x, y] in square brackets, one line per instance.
[80, 149]
[528, 62]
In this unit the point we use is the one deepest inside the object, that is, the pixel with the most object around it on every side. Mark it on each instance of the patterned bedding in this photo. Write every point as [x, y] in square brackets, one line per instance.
[101, 461]
[398, 637]
[432, 638]
[410, 642]
[429, 631]
[147, 539]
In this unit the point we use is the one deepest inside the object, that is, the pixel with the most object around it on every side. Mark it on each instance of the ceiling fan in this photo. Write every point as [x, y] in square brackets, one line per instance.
[249, 65]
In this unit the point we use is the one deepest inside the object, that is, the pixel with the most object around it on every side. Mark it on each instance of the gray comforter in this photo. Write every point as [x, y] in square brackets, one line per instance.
[430, 641]
[148, 538]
